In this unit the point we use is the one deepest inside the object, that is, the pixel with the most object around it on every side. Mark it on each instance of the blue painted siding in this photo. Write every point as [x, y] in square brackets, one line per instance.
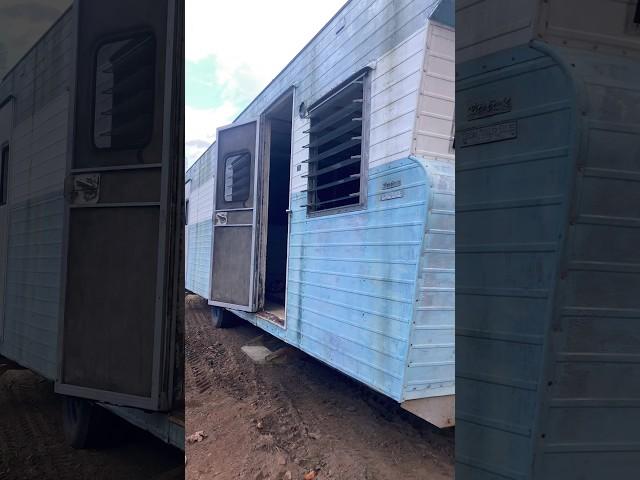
[353, 281]
[511, 210]
[430, 367]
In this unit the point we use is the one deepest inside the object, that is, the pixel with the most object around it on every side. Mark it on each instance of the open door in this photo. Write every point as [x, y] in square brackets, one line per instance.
[123, 207]
[233, 272]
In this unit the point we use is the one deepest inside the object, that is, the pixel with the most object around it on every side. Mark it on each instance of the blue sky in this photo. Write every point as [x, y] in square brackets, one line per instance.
[233, 50]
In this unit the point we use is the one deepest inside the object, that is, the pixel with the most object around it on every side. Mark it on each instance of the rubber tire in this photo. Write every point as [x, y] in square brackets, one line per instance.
[83, 422]
[220, 318]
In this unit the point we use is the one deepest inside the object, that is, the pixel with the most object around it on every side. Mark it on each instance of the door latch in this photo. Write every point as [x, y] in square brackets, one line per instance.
[221, 218]
[82, 189]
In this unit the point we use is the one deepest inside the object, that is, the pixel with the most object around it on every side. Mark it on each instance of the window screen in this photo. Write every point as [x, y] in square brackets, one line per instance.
[124, 93]
[237, 177]
[336, 148]
[4, 175]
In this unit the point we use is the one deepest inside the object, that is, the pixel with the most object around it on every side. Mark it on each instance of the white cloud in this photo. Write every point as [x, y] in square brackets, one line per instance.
[260, 34]
[200, 128]
[252, 41]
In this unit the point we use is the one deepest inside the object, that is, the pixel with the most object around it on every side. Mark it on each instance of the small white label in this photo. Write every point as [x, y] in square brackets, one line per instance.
[392, 195]
[489, 134]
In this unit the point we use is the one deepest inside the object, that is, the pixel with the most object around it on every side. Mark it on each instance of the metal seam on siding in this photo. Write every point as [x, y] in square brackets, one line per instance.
[356, 342]
[348, 306]
[353, 324]
[358, 360]
[355, 292]
[353, 275]
[354, 260]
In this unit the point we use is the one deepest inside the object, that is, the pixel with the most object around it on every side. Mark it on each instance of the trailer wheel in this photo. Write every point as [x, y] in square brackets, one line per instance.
[83, 421]
[220, 318]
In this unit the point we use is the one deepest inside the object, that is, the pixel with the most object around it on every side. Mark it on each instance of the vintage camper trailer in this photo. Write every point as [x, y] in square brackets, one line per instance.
[325, 213]
[548, 329]
[90, 123]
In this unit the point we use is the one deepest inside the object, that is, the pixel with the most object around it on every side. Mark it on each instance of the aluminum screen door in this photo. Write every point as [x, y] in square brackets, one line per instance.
[115, 331]
[233, 271]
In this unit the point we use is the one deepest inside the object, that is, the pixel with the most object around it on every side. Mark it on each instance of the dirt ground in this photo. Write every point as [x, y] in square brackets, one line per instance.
[283, 420]
[32, 442]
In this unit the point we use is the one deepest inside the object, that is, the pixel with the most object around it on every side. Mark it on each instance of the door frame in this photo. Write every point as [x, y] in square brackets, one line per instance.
[263, 218]
[156, 401]
[9, 104]
[257, 173]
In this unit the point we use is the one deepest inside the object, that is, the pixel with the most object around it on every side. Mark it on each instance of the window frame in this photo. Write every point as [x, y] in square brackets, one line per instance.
[365, 75]
[237, 153]
[4, 174]
[113, 39]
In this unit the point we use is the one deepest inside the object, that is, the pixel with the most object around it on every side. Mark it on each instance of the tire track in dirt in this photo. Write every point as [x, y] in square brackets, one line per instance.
[265, 420]
[32, 444]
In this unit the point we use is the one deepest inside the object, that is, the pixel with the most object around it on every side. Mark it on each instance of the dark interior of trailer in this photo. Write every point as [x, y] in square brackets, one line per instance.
[279, 122]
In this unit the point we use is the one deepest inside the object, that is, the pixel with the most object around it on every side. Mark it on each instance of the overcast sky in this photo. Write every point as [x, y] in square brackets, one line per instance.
[234, 48]
[22, 23]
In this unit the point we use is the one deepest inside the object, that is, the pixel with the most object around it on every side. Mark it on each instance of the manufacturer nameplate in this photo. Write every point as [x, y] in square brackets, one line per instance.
[391, 184]
[489, 134]
[488, 108]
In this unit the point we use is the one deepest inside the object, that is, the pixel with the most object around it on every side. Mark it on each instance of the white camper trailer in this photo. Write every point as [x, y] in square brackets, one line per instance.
[90, 123]
[325, 213]
[548, 328]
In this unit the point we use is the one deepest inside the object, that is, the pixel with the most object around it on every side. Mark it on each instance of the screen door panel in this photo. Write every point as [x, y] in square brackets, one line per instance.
[113, 348]
[234, 232]
[117, 207]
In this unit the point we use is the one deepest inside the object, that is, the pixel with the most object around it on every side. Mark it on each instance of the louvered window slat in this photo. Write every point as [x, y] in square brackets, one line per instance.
[335, 148]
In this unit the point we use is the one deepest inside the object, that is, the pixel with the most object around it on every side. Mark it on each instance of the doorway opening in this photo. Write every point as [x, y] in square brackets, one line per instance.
[278, 123]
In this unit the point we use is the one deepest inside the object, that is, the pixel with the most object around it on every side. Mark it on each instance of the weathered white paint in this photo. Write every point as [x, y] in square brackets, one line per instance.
[39, 83]
[201, 187]
[433, 134]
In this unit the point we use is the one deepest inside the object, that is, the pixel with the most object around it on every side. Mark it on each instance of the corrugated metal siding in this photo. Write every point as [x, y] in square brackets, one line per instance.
[585, 24]
[39, 84]
[42, 74]
[510, 210]
[395, 85]
[498, 24]
[433, 136]
[33, 284]
[371, 28]
[431, 361]
[391, 33]
[199, 258]
[199, 231]
[590, 414]
[352, 280]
